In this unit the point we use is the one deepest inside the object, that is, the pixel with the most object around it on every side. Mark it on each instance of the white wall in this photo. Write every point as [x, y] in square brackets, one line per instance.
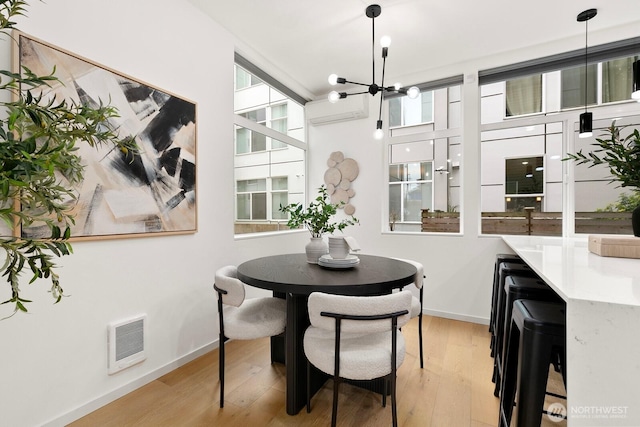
[54, 360]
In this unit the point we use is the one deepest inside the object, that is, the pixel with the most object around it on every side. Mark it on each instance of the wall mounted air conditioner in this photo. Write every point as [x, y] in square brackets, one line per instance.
[350, 108]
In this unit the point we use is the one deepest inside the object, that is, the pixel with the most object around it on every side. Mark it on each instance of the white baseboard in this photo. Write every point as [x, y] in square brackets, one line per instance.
[457, 316]
[95, 404]
[103, 400]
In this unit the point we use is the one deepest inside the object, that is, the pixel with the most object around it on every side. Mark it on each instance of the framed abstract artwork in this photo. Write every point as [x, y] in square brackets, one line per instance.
[153, 194]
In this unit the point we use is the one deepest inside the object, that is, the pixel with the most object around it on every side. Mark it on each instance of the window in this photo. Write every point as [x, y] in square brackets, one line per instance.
[254, 199]
[573, 86]
[244, 79]
[522, 171]
[248, 141]
[524, 177]
[279, 122]
[410, 190]
[425, 154]
[269, 166]
[253, 142]
[258, 116]
[525, 186]
[404, 111]
[279, 197]
[617, 78]
[602, 207]
[608, 81]
[251, 195]
[524, 95]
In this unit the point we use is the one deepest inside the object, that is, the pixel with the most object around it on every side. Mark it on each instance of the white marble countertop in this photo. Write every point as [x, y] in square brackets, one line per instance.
[603, 314]
[575, 273]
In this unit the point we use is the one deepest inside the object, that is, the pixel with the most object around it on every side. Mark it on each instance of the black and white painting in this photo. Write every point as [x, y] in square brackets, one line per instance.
[155, 193]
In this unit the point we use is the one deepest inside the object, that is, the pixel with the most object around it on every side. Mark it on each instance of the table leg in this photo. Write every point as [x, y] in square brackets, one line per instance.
[296, 361]
[278, 341]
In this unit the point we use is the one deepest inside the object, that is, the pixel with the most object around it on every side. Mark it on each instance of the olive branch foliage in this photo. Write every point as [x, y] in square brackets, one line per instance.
[621, 154]
[317, 216]
[40, 164]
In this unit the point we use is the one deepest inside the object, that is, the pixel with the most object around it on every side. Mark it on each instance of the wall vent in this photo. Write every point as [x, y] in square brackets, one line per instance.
[126, 343]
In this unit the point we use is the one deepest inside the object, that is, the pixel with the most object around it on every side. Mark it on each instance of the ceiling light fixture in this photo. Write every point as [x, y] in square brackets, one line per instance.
[586, 118]
[529, 173]
[373, 11]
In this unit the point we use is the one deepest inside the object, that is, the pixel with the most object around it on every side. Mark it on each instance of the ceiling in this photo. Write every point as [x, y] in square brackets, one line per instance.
[302, 42]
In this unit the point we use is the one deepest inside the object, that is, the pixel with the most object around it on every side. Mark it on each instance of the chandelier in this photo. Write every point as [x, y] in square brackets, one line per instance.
[373, 11]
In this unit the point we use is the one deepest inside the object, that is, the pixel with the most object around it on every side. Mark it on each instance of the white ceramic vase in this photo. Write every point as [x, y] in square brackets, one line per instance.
[315, 249]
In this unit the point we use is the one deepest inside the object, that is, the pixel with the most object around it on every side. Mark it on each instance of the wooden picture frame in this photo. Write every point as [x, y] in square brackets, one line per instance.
[153, 195]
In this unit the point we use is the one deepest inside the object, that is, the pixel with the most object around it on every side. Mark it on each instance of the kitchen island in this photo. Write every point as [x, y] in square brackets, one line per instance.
[603, 326]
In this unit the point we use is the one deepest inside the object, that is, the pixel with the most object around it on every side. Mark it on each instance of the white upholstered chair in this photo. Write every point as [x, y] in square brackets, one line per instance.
[244, 319]
[356, 338]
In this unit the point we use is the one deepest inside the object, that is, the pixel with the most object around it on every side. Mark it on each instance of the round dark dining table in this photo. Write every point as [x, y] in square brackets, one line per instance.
[292, 277]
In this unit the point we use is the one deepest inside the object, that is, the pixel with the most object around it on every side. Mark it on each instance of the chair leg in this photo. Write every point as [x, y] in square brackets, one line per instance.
[308, 387]
[394, 412]
[221, 370]
[384, 392]
[334, 409]
[420, 340]
[509, 377]
[532, 378]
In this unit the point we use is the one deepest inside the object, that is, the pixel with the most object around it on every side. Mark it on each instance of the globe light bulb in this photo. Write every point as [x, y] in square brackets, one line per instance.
[413, 92]
[397, 86]
[334, 96]
[385, 41]
[378, 134]
[333, 79]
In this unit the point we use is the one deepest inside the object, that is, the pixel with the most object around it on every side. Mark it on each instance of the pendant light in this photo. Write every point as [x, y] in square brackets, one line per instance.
[373, 11]
[586, 118]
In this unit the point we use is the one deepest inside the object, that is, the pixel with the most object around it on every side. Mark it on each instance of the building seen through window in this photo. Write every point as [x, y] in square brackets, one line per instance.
[425, 156]
[270, 154]
[529, 124]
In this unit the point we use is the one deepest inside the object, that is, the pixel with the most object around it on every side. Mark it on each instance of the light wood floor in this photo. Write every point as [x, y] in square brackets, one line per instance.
[453, 389]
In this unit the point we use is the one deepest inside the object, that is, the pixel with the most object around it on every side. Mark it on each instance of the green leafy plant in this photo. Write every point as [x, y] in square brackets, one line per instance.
[620, 154]
[39, 166]
[625, 203]
[317, 217]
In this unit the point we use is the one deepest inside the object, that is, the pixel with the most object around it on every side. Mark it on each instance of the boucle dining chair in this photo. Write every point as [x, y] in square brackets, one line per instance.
[417, 303]
[356, 338]
[242, 319]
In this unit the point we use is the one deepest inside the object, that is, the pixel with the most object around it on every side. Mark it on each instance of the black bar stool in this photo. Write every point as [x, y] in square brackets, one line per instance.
[505, 269]
[537, 336]
[500, 258]
[515, 288]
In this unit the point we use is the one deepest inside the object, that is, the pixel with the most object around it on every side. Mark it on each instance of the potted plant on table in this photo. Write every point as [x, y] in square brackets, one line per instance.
[317, 218]
[622, 156]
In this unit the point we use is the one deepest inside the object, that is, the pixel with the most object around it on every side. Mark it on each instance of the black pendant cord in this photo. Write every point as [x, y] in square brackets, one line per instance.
[373, 49]
[586, 72]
